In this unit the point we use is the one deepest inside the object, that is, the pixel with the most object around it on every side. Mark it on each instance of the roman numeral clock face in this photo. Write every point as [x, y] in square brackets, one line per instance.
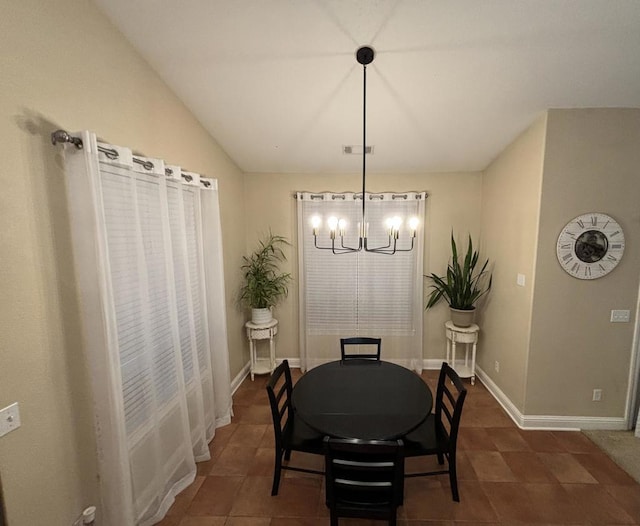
[590, 246]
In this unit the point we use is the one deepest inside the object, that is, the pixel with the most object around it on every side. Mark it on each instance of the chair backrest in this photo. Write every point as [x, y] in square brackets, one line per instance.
[360, 341]
[450, 396]
[364, 478]
[279, 388]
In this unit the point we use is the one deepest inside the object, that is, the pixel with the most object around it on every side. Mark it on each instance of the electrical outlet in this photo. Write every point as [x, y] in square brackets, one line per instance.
[496, 366]
[9, 419]
[597, 395]
[619, 316]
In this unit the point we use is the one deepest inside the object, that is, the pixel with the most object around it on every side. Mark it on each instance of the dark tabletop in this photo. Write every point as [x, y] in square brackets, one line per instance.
[371, 400]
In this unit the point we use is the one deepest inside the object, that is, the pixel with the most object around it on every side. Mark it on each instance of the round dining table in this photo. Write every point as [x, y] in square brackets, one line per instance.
[365, 399]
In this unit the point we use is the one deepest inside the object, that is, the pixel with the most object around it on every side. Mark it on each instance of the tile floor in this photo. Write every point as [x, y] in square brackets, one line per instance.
[505, 476]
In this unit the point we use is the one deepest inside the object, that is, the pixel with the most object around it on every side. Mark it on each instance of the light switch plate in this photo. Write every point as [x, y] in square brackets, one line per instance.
[520, 280]
[9, 419]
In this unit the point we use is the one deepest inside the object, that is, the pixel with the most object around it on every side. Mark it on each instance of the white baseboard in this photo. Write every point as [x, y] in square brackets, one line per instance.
[502, 398]
[432, 364]
[244, 372]
[548, 422]
[294, 363]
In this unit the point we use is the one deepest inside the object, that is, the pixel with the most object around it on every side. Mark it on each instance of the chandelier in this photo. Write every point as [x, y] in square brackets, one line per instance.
[338, 226]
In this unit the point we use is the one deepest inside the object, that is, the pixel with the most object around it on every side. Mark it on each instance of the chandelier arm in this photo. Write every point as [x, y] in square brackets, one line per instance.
[347, 251]
[382, 250]
[388, 250]
[339, 250]
[376, 248]
[347, 247]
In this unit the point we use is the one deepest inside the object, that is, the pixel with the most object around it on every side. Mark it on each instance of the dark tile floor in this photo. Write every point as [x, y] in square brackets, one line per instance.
[506, 476]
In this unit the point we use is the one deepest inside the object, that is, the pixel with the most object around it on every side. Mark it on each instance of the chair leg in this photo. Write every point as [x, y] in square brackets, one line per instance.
[334, 517]
[277, 470]
[440, 458]
[453, 478]
[287, 455]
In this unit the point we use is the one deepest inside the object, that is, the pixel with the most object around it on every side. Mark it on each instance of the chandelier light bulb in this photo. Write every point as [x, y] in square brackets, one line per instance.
[414, 222]
[342, 227]
[316, 221]
[389, 224]
[333, 224]
[393, 225]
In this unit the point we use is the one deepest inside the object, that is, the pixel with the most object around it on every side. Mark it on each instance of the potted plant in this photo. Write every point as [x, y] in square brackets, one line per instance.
[462, 286]
[264, 284]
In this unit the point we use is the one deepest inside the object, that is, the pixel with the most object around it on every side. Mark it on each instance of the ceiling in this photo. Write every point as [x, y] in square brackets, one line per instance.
[276, 82]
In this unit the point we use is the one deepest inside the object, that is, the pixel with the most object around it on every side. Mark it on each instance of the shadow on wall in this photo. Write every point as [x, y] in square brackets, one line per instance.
[46, 185]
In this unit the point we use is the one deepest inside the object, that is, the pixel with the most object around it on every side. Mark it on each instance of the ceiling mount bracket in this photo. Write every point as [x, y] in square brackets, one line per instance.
[365, 55]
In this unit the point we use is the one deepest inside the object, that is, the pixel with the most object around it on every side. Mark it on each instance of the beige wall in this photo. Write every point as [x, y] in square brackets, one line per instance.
[591, 165]
[64, 65]
[453, 203]
[553, 337]
[510, 213]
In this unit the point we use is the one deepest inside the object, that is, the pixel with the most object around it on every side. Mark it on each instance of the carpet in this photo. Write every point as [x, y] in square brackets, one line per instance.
[622, 446]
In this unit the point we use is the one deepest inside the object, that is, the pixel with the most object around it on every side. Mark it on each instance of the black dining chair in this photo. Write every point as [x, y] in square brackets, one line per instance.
[438, 434]
[291, 433]
[364, 478]
[345, 342]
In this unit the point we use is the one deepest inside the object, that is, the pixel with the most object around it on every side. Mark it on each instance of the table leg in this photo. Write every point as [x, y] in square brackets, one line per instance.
[453, 353]
[252, 352]
[272, 354]
[473, 364]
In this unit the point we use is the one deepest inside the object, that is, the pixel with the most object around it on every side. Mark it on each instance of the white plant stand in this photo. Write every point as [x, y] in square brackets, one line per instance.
[468, 336]
[255, 333]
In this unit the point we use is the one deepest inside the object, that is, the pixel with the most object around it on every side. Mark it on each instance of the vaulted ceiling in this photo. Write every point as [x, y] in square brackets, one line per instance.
[276, 82]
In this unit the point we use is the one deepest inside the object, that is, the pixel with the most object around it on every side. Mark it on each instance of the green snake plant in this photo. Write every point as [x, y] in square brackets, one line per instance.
[461, 287]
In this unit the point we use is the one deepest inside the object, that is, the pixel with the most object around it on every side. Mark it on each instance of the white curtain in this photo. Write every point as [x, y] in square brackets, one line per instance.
[360, 294]
[147, 255]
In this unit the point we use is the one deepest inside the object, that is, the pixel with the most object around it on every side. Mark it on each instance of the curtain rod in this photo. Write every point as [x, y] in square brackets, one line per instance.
[61, 136]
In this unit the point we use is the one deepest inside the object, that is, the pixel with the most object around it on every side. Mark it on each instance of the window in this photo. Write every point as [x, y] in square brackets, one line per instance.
[359, 293]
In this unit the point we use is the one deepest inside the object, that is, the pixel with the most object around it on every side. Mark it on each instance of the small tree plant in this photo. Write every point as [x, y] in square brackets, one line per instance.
[264, 284]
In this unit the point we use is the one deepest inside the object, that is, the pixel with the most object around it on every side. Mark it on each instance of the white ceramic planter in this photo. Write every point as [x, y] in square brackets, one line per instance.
[261, 316]
[462, 318]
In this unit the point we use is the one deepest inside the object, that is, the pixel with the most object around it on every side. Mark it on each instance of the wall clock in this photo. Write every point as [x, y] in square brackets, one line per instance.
[590, 246]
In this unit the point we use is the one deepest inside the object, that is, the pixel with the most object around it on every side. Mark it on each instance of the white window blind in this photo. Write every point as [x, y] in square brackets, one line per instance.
[359, 294]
